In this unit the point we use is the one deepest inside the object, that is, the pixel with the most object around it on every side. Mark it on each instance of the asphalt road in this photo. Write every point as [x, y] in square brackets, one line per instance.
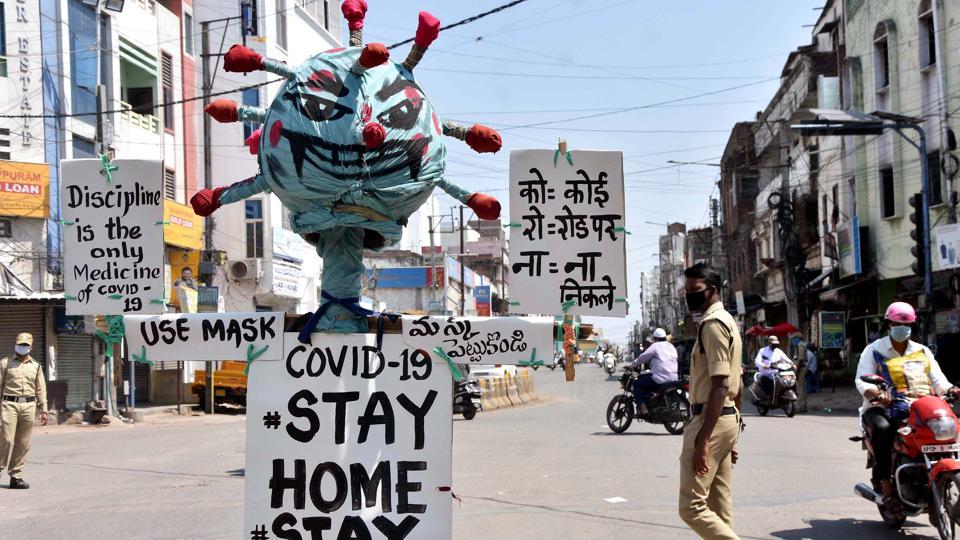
[540, 471]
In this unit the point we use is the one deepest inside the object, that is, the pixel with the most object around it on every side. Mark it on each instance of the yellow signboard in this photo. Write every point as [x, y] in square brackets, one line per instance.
[24, 189]
[183, 228]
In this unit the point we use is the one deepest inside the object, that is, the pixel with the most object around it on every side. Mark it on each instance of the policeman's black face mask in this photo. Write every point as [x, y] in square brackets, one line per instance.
[697, 300]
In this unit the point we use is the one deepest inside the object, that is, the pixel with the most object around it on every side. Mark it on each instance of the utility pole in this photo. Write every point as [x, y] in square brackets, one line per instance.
[208, 184]
[463, 269]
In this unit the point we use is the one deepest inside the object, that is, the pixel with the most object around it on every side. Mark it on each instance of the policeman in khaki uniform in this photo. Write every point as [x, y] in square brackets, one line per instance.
[22, 387]
[709, 441]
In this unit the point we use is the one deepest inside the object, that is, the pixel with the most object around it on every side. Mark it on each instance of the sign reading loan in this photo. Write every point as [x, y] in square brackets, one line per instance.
[482, 340]
[345, 441]
[205, 337]
[113, 237]
[568, 239]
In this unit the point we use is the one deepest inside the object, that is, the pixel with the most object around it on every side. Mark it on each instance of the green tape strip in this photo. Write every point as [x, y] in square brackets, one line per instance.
[514, 303]
[252, 355]
[512, 225]
[67, 222]
[624, 300]
[567, 305]
[107, 168]
[158, 301]
[142, 357]
[622, 229]
[115, 296]
[532, 361]
[113, 335]
[69, 297]
[567, 155]
[457, 376]
[163, 223]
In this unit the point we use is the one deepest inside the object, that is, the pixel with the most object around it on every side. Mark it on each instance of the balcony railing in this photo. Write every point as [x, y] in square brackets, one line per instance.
[148, 122]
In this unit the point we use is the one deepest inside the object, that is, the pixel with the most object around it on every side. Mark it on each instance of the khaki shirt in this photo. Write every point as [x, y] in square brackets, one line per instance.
[23, 379]
[721, 341]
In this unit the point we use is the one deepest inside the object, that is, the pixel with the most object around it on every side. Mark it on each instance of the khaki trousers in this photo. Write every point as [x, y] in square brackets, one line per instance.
[17, 426]
[706, 501]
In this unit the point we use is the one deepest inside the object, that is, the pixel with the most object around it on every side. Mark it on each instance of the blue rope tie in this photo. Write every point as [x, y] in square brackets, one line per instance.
[351, 304]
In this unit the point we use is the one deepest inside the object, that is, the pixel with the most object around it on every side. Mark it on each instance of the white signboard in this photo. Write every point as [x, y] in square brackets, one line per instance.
[344, 441]
[205, 337]
[112, 237]
[946, 247]
[568, 239]
[483, 340]
[286, 280]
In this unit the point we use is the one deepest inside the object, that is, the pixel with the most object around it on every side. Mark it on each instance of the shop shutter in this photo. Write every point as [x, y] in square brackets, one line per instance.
[75, 361]
[142, 382]
[20, 316]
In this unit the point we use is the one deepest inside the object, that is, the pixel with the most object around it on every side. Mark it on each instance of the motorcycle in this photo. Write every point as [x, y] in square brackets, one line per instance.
[926, 465]
[609, 364]
[784, 390]
[558, 361]
[668, 406]
[466, 398]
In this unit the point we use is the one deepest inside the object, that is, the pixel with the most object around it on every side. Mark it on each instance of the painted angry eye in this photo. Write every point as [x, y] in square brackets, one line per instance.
[317, 108]
[403, 115]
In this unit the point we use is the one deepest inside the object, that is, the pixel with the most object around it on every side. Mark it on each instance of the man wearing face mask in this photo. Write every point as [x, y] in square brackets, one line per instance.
[709, 440]
[912, 372]
[23, 388]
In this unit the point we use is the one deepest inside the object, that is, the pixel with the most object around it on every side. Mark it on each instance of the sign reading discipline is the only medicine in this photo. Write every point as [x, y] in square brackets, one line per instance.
[567, 241]
[113, 237]
[348, 441]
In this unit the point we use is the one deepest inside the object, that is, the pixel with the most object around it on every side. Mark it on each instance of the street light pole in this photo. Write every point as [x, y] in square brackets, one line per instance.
[463, 269]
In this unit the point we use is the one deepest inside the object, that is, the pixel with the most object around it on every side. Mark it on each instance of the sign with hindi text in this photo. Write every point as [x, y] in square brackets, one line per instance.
[348, 441]
[113, 237]
[567, 245]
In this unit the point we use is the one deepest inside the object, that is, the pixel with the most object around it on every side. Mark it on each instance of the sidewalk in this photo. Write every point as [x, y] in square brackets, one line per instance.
[845, 400]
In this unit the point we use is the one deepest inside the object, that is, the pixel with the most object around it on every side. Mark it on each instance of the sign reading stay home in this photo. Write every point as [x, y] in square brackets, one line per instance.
[205, 337]
[345, 441]
[567, 243]
[482, 340]
[112, 237]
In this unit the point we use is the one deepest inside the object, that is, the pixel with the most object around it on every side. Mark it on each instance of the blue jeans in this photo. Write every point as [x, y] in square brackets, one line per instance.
[813, 383]
[643, 386]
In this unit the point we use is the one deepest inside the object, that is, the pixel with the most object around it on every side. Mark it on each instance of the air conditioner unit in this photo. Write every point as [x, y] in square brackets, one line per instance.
[245, 269]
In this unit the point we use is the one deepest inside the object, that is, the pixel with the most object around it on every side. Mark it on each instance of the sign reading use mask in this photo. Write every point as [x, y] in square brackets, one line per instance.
[112, 237]
[481, 340]
[568, 242]
[205, 337]
[345, 441]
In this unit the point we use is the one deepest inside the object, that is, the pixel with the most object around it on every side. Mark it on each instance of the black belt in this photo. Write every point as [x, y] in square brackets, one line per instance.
[698, 408]
[19, 399]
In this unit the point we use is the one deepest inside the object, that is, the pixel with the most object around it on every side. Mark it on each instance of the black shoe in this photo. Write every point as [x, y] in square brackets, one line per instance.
[17, 483]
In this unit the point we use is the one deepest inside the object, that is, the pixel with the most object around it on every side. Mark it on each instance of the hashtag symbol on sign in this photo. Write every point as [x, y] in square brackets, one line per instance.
[271, 420]
[259, 532]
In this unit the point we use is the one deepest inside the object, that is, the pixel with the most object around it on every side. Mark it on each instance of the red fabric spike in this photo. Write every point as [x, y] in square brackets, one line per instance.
[206, 201]
[373, 54]
[484, 139]
[253, 141]
[373, 135]
[276, 130]
[240, 59]
[222, 110]
[354, 11]
[486, 207]
[427, 30]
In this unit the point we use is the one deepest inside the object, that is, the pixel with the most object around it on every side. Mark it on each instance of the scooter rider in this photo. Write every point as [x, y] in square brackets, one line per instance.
[912, 372]
[768, 356]
[662, 356]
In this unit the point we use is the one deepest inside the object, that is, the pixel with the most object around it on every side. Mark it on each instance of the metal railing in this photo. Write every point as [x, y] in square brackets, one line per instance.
[148, 122]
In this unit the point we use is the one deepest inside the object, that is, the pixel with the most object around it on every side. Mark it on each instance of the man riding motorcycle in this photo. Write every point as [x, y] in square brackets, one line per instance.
[912, 372]
[662, 356]
[765, 360]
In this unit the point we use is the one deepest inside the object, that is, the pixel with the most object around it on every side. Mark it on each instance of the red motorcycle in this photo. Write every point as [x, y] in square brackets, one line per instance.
[926, 465]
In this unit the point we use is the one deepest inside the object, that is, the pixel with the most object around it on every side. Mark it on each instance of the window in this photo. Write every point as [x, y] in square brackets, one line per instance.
[248, 11]
[254, 217]
[888, 193]
[813, 157]
[3, 43]
[927, 36]
[6, 228]
[82, 27]
[282, 24]
[166, 72]
[936, 185]
[881, 58]
[83, 148]
[138, 77]
[188, 33]
[251, 96]
[170, 184]
[4, 137]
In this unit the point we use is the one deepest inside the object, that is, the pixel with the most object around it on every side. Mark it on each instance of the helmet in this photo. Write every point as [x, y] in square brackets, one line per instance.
[660, 333]
[901, 312]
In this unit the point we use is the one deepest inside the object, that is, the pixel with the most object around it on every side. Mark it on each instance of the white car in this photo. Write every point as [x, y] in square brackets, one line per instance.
[490, 371]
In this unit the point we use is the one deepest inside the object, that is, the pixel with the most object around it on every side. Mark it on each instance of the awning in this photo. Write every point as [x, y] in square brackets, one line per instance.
[11, 285]
[782, 329]
[831, 294]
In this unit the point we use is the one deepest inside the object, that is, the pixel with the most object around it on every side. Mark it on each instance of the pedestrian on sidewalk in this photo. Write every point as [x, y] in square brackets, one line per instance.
[709, 440]
[22, 387]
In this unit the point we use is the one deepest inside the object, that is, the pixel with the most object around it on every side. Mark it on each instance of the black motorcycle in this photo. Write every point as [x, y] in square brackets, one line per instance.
[668, 406]
[466, 398]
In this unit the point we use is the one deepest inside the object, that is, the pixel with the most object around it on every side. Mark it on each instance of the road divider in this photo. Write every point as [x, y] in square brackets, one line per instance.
[507, 391]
